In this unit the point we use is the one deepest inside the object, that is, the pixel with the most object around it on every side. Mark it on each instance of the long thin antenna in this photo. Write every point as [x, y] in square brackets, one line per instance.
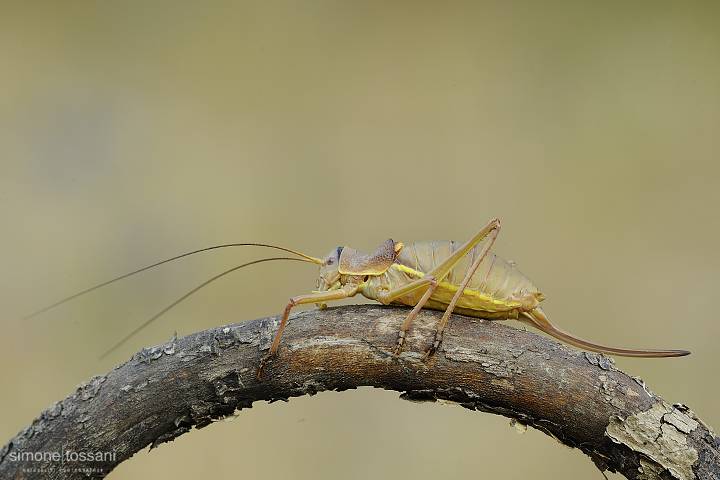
[309, 258]
[137, 330]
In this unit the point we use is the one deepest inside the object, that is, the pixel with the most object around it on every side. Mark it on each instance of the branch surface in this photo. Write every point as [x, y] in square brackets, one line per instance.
[576, 397]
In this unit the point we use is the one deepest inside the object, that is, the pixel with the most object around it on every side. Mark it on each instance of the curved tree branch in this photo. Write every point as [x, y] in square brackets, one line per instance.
[576, 397]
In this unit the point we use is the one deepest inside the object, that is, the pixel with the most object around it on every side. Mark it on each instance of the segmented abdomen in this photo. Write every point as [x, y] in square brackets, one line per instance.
[497, 290]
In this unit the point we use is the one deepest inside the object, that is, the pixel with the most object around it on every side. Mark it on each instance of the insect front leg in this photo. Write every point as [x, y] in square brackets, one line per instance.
[347, 290]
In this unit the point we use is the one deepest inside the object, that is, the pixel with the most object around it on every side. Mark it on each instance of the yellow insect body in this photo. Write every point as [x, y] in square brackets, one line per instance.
[496, 291]
[443, 275]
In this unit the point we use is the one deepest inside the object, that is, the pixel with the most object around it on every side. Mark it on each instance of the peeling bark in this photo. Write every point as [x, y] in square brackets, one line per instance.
[655, 434]
[576, 397]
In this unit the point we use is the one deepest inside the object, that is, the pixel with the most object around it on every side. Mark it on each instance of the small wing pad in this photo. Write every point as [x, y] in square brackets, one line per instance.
[353, 262]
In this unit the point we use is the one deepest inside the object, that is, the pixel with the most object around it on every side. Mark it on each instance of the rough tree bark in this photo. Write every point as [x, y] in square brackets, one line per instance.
[578, 398]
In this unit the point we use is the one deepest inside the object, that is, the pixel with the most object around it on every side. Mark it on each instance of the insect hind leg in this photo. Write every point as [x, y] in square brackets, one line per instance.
[493, 229]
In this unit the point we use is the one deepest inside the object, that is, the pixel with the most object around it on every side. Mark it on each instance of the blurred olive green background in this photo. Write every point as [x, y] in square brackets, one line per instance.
[134, 131]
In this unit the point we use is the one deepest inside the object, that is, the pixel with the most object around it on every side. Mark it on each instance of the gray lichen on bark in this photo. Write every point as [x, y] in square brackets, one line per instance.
[661, 435]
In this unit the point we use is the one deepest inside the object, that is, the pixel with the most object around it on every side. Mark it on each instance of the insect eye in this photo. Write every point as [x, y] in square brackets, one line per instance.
[330, 261]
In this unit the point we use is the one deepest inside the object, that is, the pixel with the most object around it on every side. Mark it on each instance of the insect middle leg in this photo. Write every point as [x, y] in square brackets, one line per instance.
[437, 274]
[432, 281]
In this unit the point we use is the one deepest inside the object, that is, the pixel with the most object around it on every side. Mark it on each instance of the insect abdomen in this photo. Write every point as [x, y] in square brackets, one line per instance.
[496, 290]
